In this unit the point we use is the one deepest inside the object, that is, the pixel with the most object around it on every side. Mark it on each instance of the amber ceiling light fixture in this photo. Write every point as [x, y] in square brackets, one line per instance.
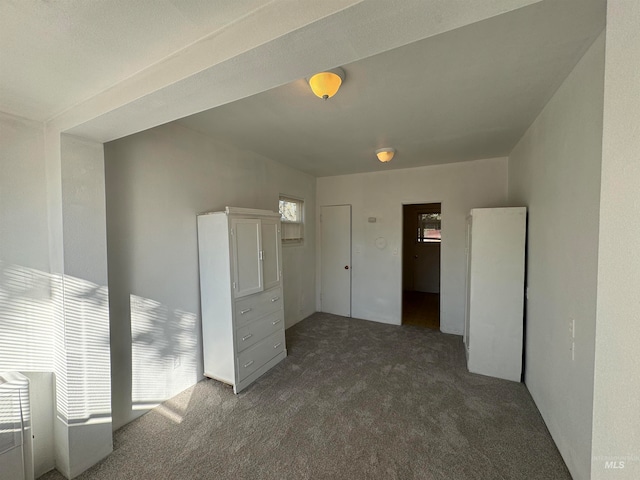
[385, 154]
[326, 84]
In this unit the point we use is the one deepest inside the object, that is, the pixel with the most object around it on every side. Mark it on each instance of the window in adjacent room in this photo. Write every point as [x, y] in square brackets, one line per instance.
[429, 227]
[292, 216]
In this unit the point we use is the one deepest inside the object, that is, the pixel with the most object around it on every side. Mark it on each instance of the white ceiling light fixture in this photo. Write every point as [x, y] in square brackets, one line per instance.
[326, 84]
[385, 154]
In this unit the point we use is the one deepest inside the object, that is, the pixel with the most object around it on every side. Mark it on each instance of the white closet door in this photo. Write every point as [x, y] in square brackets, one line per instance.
[270, 252]
[336, 260]
[247, 266]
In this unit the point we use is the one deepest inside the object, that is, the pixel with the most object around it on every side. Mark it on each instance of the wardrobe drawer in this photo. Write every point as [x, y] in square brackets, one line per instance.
[258, 305]
[256, 356]
[253, 332]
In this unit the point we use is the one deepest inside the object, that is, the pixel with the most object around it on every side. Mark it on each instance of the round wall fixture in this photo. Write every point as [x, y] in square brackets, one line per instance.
[381, 243]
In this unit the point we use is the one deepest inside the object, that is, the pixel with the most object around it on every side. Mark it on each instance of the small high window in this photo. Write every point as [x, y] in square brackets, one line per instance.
[292, 217]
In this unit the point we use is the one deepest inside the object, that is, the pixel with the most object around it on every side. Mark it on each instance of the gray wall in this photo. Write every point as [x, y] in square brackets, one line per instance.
[156, 183]
[25, 283]
[26, 287]
[50, 317]
[83, 366]
[555, 171]
[377, 273]
[616, 416]
[23, 194]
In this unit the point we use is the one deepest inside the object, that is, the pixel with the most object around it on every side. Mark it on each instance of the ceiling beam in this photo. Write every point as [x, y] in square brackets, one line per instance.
[281, 44]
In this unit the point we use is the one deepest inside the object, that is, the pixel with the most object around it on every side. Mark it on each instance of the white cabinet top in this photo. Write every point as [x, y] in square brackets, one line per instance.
[244, 212]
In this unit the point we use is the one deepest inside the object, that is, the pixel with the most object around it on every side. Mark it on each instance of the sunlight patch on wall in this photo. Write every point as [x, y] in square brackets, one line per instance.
[26, 319]
[60, 324]
[88, 362]
[164, 352]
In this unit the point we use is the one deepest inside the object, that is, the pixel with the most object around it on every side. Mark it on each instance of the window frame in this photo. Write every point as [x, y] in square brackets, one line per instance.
[420, 231]
[292, 242]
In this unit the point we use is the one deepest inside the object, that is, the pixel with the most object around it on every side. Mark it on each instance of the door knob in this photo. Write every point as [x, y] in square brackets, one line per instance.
[346, 267]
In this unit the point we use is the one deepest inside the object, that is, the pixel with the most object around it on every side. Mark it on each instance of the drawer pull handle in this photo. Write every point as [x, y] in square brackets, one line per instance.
[247, 337]
[242, 312]
[275, 299]
[248, 364]
[275, 322]
[277, 345]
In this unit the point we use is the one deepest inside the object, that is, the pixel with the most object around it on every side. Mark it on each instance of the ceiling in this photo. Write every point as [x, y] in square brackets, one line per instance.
[56, 53]
[465, 94]
[107, 68]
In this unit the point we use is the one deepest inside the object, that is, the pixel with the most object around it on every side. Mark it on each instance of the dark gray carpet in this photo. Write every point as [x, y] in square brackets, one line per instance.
[353, 400]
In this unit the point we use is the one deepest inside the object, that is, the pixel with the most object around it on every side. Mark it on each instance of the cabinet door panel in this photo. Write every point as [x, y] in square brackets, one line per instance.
[247, 267]
[271, 252]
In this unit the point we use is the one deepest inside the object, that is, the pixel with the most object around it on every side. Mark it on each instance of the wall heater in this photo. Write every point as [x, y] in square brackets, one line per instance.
[16, 445]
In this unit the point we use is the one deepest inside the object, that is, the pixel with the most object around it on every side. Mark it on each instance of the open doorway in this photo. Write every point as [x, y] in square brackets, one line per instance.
[421, 265]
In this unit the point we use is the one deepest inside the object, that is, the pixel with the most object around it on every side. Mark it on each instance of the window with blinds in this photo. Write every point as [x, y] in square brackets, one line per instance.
[292, 217]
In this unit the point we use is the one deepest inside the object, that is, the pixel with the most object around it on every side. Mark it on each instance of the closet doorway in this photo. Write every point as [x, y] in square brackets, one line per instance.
[421, 241]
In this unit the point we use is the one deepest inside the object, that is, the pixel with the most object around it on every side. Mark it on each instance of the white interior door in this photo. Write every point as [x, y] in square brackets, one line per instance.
[335, 260]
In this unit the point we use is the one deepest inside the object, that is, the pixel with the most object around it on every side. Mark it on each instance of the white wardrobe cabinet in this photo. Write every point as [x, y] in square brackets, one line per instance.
[241, 294]
[494, 314]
